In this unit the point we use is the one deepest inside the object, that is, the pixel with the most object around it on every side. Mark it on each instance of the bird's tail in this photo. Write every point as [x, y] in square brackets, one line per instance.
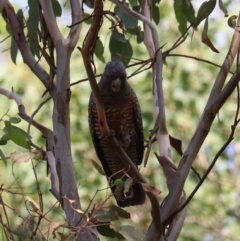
[136, 196]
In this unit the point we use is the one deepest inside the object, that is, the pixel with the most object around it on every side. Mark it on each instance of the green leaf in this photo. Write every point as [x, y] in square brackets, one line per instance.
[15, 120]
[127, 185]
[24, 133]
[13, 50]
[99, 50]
[127, 19]
[119, 48]
[111, 214]
[3, 142]
[121, 212]
[132, 234]
[133, 31]
[155, 14]
[188, 11]
[87, 17]
[102, 216]
[184, 13]
[133, 2]
[3, 157]
[136, 31]
[20, 16]
[99, 168]
[22, 233]
[33, 40]
[232, 21]
[119, 36]
[107, 231]
[223, 8]
[204, 11]
[118, 183]
[33, 10]
[57, 9]
[140, 37]
[32, 26]
[89, 3]
[4, 139]
[156, 2]
[7, 126]
[118, 190]
[182, 21]
[17, 135]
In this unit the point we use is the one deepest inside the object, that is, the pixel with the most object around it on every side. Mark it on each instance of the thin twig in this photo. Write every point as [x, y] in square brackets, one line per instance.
[196, 58]
[6, 216]
[35, 112]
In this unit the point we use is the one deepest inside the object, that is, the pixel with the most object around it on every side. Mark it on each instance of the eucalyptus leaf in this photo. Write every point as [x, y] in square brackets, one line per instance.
[119, 36]
[127, 19]
[13, 50]
[121, 212]
[20, 16]
[17, 135]
[119, 48]
[3, 157]
[15, 120]
[57, 9]
[204, 11]
[33, 10]
[181, 19]
[98, 167]
[155, 14]
[223, 8]
[107, 231]
[99, 50]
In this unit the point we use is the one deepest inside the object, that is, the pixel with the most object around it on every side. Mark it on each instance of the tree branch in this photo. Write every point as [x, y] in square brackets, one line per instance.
[54, 176]
[76, 11]
[21, 108]
[215, 102]
[222, 75]
[50, 20]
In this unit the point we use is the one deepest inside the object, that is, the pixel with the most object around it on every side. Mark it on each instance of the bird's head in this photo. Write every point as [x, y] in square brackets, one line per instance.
[114, 78]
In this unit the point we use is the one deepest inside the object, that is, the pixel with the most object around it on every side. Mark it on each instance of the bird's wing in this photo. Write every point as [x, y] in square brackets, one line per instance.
[93, 124]
[139, 130]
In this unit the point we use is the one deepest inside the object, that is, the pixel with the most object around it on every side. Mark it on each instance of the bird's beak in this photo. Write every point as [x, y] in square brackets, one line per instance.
[116, 85]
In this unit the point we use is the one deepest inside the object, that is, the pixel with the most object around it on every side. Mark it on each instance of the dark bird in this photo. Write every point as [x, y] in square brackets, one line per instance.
[124, 119]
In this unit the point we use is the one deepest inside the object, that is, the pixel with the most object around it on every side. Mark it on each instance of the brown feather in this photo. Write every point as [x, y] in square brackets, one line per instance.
[123, 116]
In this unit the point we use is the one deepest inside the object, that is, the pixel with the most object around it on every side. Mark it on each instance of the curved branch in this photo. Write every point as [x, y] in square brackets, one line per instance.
[195, 58]
[76, 18]
[21, 108]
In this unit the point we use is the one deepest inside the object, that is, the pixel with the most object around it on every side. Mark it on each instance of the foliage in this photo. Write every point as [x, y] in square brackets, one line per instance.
[189, 71]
